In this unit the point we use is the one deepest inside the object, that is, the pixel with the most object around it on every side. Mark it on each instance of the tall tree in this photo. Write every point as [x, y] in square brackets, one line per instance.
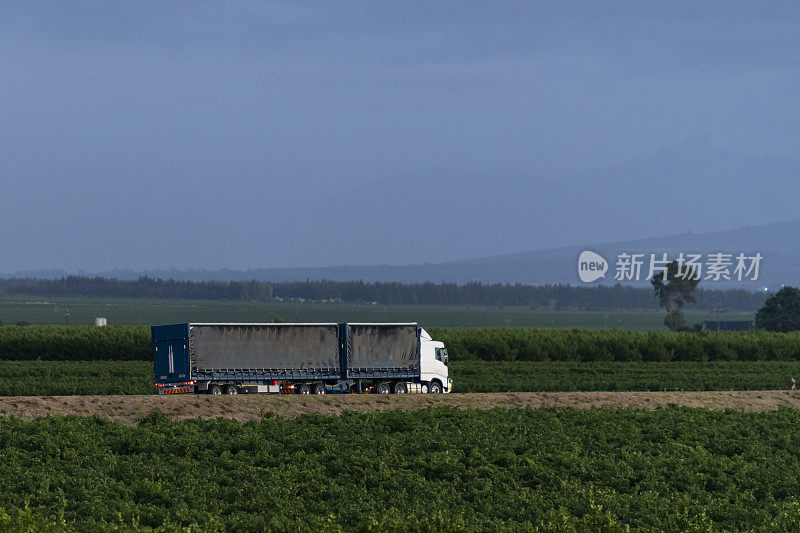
[673, 288]
[781, 311]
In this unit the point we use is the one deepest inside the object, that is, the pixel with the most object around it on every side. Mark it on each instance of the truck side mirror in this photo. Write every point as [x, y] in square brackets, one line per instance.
[446, 358]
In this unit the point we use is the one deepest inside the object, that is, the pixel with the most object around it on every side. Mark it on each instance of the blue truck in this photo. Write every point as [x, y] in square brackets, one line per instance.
[302, 358]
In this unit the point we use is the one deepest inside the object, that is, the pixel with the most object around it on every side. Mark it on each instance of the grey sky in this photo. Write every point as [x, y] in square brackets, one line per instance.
[245, 135]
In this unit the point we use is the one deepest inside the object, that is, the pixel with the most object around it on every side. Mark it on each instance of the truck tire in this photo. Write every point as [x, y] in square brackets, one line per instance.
[383, 388]
[319, 388]
[424, 388]
[303, 388]
[231, 389]
[214, 389]
[400, 388]
[435, 387]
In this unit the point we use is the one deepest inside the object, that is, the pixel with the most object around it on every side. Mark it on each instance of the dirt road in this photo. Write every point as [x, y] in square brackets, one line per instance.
[129, 409]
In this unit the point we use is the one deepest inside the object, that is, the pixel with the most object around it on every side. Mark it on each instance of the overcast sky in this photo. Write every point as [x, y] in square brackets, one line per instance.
[243, 135]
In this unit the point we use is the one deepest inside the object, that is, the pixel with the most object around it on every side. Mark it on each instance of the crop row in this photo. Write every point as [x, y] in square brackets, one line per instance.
[130, 343]
[549, 376]
[65, 378]
[75, 343]
[54, 378]
[616, 345]
[439, 469]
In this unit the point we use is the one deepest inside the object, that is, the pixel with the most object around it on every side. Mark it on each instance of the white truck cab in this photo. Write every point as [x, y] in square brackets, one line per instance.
[433, 364]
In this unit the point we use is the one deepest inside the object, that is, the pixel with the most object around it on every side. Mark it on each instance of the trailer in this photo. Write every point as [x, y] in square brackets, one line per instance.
[301, 358]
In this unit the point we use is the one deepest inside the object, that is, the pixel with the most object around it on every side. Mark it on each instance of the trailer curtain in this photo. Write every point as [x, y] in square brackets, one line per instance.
[265, 347]
[384, 346]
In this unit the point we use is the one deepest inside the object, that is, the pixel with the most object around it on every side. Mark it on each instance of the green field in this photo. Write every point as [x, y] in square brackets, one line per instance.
[584, 345]
[65, 378]
[36, 310]
[55, 360]
[55, 378]
[443, 469]
[133, 343]
[529, 376]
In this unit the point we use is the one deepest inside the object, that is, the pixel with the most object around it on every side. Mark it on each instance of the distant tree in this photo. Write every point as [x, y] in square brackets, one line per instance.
[673, 288]
[781, 311]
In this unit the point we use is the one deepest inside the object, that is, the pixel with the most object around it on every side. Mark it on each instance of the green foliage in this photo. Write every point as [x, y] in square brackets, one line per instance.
[124, 357]
[75, 343]
[132, 343]
[529, 376]
[432, 470]
[615, 345]
[62, 378]
[781, 312]
[56, 378]
[676, 286]
[673, 288]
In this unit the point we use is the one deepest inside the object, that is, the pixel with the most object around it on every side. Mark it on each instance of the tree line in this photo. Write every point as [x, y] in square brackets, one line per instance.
[536, 296]
[143, 287]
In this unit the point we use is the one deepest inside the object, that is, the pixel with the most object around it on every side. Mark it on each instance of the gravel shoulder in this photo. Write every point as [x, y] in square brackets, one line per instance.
[129, 409]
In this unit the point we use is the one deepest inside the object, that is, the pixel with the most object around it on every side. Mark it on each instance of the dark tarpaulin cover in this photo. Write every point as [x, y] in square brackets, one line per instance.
[384, 346]
[266, 346]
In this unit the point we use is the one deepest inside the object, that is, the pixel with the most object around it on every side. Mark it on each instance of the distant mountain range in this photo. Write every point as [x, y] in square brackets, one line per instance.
[776, 243]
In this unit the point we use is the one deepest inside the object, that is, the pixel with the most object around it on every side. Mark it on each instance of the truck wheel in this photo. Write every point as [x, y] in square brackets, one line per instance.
[435, 388]
[383, 388]
[400, 388]
[303, 388]
[424, 388]
[215, 389]
[319, 388]
[231, 389]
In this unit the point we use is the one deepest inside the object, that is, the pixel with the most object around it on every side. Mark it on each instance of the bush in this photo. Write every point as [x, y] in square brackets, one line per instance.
[75, 343]
[133, 343]
[653, 350]
[614, 345]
